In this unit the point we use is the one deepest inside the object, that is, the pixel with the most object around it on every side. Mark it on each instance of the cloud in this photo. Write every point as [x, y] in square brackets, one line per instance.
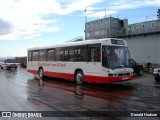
[113, 7]
[24, 19]
[100, 14]
[131, 4]
[27, 19]
[5, 27]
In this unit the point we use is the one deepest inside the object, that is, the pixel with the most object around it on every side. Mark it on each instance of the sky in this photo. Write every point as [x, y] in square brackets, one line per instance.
[30, 23]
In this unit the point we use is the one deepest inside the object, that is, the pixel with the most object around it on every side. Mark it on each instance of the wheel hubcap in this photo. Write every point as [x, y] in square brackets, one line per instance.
[41, 73]
[79, 78]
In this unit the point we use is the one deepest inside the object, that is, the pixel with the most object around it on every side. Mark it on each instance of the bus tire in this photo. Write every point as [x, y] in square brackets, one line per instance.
[40, 73]
[140, 72]
[157, 79]
[79, 77]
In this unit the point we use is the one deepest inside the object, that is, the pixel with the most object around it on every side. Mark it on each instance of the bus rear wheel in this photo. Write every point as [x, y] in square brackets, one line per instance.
[79, 77]
[40, 73]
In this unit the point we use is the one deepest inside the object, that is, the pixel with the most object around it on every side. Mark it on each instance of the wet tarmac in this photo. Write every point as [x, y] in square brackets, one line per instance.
[21, 91]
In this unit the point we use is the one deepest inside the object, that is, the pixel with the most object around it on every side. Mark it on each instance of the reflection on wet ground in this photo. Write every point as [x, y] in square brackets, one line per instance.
[114, 96]
[24, 92]
[60, 95]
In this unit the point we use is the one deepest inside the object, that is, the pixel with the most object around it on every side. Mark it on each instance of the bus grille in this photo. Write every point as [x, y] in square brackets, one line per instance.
[123, 74]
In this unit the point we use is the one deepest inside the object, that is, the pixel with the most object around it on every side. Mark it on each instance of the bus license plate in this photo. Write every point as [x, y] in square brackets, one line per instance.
[125, 78]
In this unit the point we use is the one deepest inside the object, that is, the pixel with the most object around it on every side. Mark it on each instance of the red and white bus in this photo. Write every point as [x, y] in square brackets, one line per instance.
[83, 61]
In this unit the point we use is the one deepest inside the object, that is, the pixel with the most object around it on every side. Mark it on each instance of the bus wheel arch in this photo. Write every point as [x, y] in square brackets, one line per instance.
[40, 72]
[79, 76]
[1, 67]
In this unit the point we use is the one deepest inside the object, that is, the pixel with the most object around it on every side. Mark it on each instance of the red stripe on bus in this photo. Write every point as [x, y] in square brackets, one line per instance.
[60, 75]
[33, 71]
[54, 74]
[88, 78]
[100, 79]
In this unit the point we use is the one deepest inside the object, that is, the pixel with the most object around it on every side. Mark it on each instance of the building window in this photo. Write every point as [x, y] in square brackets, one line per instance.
[114, 21]
[100, 22]
[134, 27]
[97, 33]
[152, 25]
[92, 24]
[106, 21]
[96, 23]
[129, 28]
[143, 26]
[88, 34]
[88, 25]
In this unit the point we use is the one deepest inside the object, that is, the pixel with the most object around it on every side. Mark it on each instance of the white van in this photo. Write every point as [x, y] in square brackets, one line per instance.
[156, 74]
[8, 63]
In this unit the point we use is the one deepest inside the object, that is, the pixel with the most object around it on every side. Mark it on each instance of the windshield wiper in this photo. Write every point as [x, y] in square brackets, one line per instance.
[121, 66]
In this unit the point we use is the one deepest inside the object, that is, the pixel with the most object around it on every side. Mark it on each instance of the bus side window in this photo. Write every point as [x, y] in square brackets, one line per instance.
[69, 54]
[35, 55]
[42, 55]
[95, 54]
[80, 53]
[59, 54]
[66, 55]
[29, 56]
[50, 55]
[92, 54]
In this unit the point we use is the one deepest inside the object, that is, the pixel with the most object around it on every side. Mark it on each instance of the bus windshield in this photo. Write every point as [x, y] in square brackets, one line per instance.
[115, 56]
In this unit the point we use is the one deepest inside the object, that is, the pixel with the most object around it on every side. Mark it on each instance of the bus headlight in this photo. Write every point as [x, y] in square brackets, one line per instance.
[112, 74]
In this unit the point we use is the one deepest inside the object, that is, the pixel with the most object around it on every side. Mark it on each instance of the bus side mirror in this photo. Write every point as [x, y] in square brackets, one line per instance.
[132, 62]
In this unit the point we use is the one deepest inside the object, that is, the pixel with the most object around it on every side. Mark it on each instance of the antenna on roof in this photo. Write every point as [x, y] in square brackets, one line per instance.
[79, 38]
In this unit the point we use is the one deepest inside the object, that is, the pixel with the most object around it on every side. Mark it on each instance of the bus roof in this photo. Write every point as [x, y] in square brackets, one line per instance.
[77, 43]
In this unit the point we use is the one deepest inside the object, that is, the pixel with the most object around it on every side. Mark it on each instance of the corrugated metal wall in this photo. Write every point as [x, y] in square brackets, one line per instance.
[144, 48]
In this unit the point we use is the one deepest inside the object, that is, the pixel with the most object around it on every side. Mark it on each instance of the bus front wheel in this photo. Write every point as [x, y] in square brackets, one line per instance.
[79, 77]
[157, 79]
[40, 73]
